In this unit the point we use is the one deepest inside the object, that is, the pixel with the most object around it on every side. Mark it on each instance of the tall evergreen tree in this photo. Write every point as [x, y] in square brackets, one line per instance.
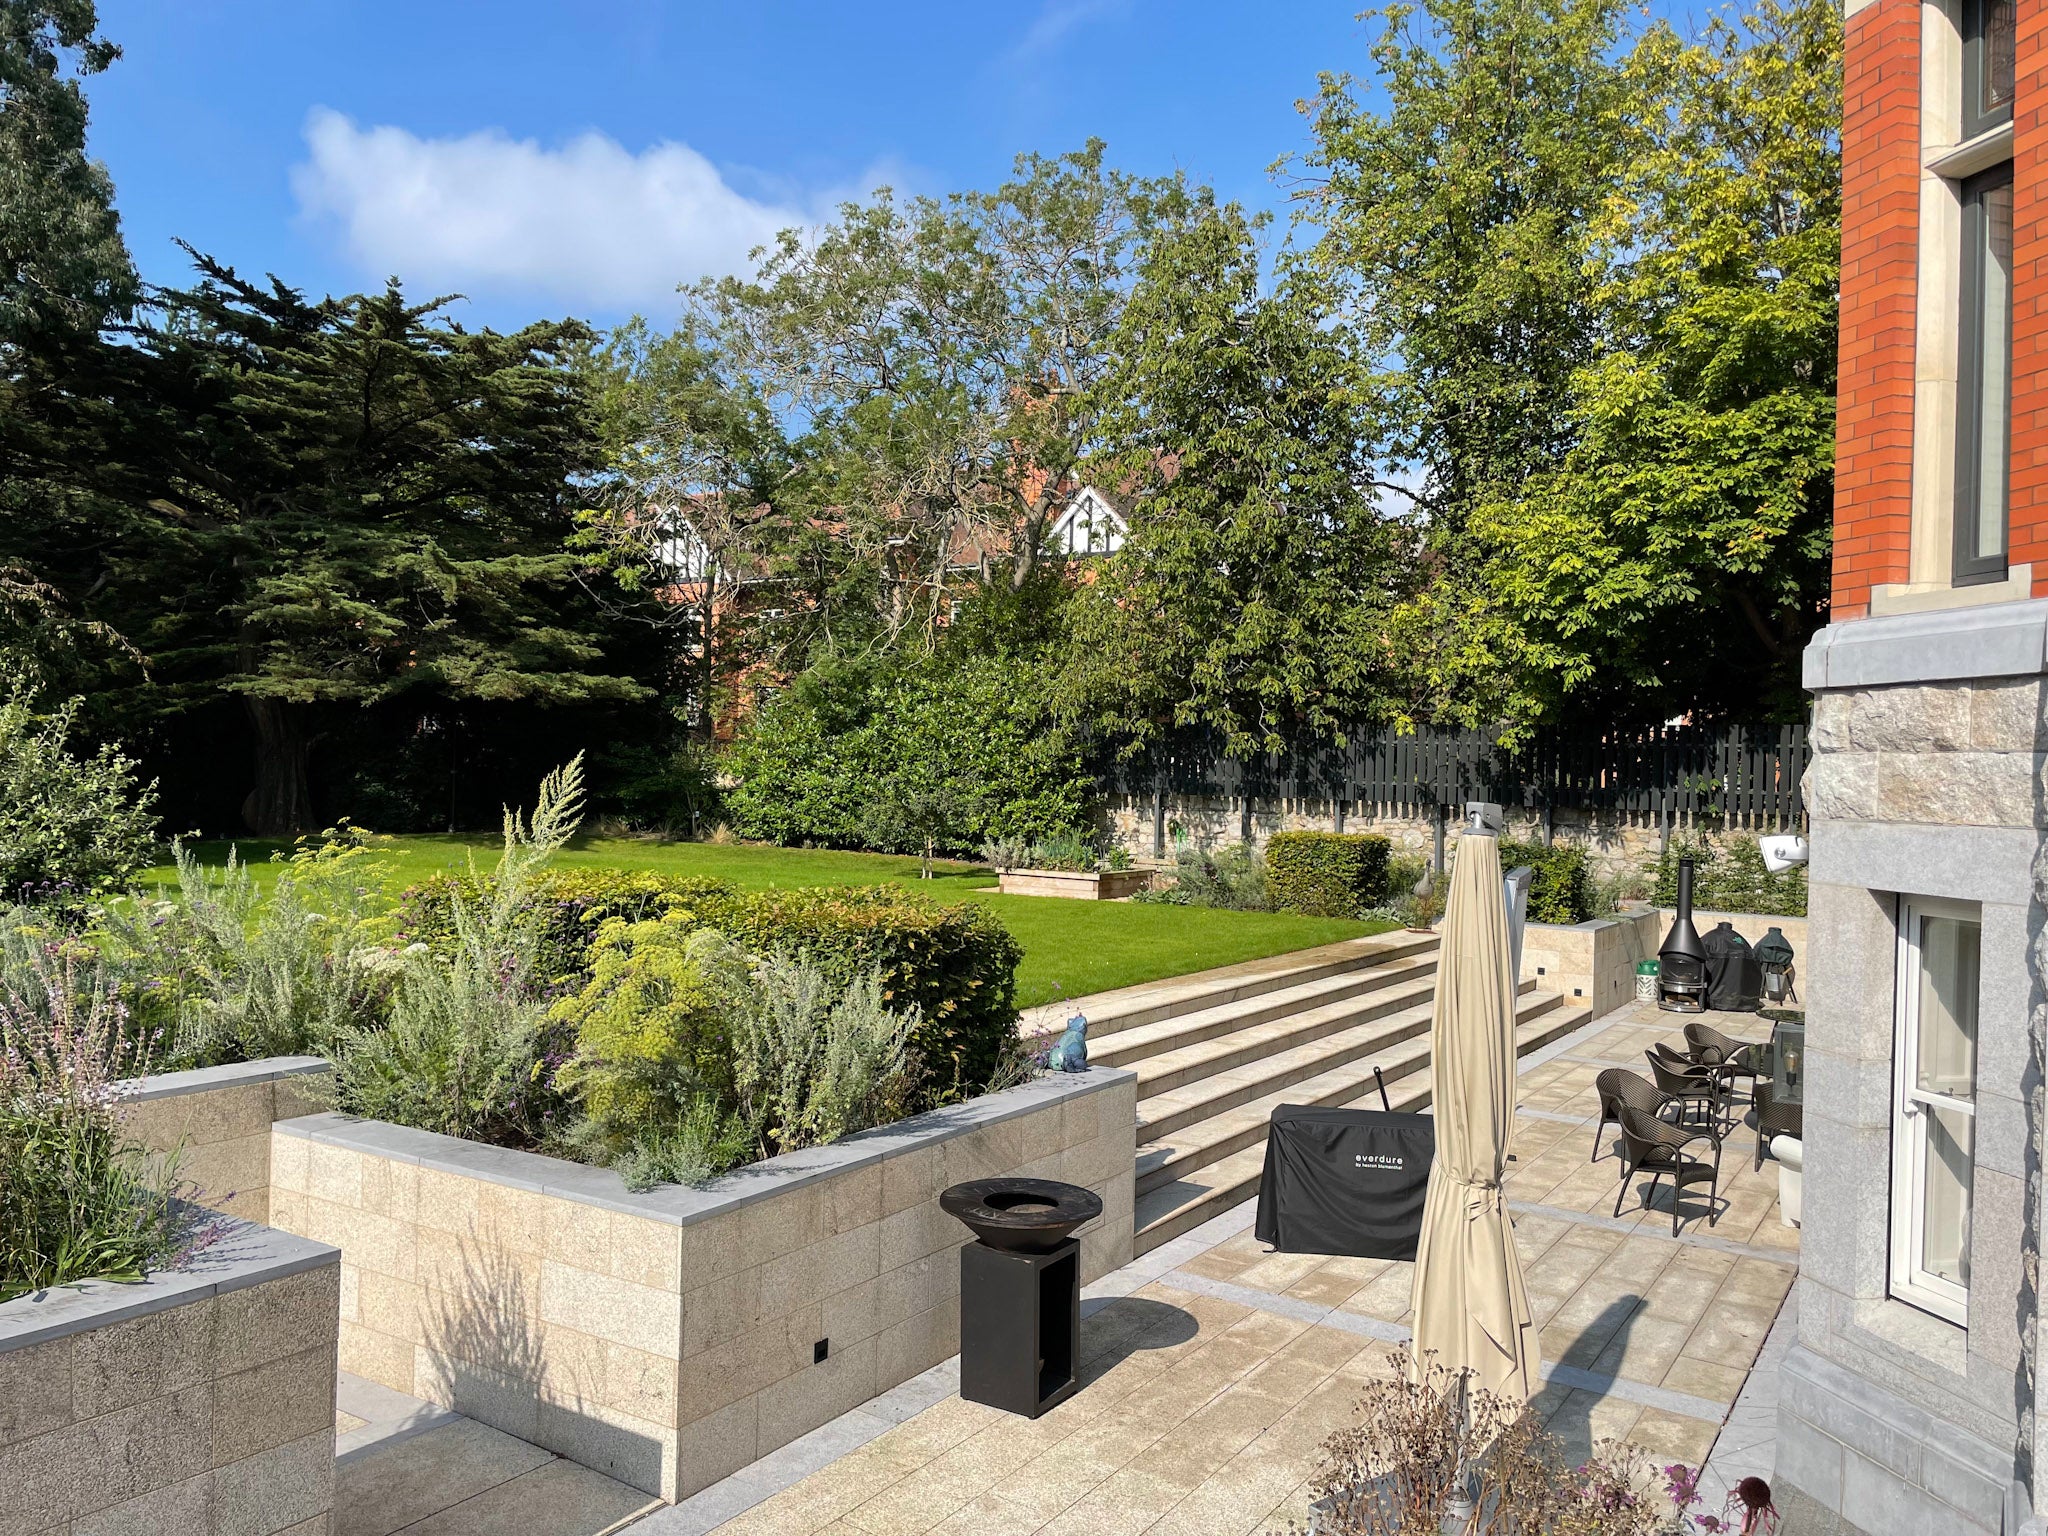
[64, 276]
[362, 502]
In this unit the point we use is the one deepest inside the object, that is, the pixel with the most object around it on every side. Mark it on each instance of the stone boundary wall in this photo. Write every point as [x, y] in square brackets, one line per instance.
[1614, 844]
[199, 1401]
[218, 1119]
[671, 1337]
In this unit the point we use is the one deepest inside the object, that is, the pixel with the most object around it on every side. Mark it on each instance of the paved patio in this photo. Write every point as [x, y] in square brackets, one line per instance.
[1213, 1372]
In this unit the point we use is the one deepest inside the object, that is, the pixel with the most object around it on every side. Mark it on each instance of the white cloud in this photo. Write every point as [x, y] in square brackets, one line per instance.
[1056, 22]
[587, 224]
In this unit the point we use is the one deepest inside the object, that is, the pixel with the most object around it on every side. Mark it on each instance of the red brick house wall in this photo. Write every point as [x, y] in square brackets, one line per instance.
[2029, 539]
[1880, 265]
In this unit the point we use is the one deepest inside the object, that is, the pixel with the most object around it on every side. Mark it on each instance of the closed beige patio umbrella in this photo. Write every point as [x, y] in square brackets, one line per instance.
[1471, 1307]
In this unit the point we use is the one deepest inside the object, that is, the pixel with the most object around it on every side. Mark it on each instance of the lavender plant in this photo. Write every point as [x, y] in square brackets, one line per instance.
[78, 1199]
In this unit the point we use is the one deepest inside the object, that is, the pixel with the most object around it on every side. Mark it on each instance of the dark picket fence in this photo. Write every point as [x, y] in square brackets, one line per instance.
[1665, 775]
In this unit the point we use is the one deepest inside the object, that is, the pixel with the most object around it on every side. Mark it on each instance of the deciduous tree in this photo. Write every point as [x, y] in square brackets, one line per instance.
[1252, 592]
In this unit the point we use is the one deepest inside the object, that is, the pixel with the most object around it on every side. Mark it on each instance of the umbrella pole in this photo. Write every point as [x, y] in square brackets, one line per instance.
[1461, 1508]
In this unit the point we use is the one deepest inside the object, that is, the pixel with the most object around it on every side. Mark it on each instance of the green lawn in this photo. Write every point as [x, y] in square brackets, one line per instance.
[1071, 948]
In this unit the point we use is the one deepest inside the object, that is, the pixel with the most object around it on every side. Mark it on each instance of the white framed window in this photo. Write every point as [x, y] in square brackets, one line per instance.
[1934, 1104]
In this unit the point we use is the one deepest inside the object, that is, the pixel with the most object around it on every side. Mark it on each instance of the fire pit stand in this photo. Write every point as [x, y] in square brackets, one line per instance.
[1682, 961]
[1020, 1291]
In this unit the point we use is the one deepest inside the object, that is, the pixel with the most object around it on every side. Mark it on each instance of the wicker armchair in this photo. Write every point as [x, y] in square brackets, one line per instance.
[1651, 1144]
[1688, 1086]
[1618, 1086]
[1730, 1057]
[1774, 1120]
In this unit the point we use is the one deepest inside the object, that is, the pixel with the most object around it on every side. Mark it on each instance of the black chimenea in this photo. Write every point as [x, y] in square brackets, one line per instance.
[1682, 962]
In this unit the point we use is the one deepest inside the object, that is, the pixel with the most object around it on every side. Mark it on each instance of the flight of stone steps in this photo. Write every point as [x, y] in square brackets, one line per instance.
[1216, 1052]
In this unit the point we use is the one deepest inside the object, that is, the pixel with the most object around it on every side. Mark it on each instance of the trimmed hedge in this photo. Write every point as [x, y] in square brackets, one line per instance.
[957, 963]
[1327, 874]
[1562, 890]
[1731, 878]
[568, 906]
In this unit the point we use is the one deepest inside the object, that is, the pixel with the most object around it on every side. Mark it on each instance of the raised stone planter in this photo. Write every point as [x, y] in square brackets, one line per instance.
[217, 1120]
[671, 1337]
[198, 1401]
[1083, 884]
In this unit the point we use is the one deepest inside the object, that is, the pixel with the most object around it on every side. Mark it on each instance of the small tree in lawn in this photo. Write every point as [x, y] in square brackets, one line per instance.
[921, 806]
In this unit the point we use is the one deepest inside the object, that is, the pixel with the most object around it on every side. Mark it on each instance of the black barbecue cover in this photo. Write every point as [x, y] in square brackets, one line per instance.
[1349, 1181]
[1735, 977]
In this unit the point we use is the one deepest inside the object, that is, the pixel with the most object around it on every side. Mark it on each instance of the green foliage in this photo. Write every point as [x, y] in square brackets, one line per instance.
[1063, 851]
[63, 264]
[70, 825]
[1327, 874]
[933, 360]
[671, 788]
[692, 1057]
[461, 1054]
[564, 911]
[221, 972]
[1561, 889]
[816, 1059]
[1597, 276]
[653, 1025]
[917, 757]
[956, 965]
[1253, 585]
[370, 506]
[78, 1199]
[1233, 877]
[465, 1052]
[1730, 877]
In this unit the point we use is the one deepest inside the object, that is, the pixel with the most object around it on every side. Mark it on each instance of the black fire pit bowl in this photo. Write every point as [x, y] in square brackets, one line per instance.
[1021, 1215]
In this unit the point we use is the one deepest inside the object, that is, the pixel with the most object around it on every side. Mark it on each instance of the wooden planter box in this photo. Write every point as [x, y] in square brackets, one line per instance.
[200, 1400]
[1084, 885]
[670, 1337]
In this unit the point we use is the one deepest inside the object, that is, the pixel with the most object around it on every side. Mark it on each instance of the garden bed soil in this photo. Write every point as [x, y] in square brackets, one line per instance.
[671, 1337]
[199, 1400]
[1081, 884]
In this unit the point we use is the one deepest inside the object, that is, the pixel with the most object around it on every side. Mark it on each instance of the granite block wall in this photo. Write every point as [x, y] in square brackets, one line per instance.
[199, 1402]
[670, 1337]
[216, 1121]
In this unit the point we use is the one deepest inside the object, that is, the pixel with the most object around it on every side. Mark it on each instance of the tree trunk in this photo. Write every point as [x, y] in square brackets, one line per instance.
[281, 804]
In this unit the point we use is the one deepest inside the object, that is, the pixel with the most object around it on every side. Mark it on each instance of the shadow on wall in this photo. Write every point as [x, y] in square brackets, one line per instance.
[485, 1358]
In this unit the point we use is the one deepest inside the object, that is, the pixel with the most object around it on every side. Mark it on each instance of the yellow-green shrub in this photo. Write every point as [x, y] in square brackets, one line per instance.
[652, 1023]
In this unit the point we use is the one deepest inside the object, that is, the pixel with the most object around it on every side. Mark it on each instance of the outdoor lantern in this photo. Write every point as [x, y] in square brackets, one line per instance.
[1787, 1056]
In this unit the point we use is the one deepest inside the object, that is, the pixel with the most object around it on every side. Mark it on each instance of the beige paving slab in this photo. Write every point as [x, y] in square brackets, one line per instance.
[398, 1485]
[558, 1499]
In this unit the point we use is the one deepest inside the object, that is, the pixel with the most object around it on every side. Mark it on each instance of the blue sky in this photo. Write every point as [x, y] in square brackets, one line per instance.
[582, 156]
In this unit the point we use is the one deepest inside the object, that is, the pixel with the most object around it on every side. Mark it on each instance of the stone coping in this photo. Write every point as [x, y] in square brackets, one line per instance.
[239, 1255]
[168, 1085]
[1997, 640]
[679, 1205]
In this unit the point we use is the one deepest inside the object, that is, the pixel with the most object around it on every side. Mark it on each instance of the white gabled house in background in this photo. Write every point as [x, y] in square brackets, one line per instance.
[1089, 525]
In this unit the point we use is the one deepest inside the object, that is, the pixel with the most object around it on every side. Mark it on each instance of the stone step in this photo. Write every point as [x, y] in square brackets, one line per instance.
[1189, 1064]
[1167, 1210]
[1203, 1127]
[1111, 1013]
[1135, 1044]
